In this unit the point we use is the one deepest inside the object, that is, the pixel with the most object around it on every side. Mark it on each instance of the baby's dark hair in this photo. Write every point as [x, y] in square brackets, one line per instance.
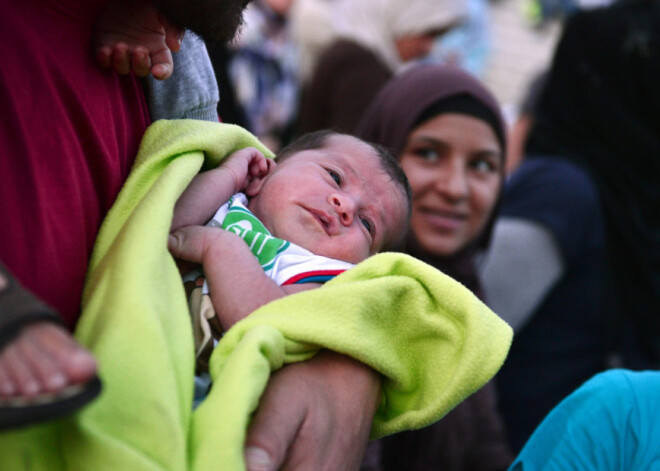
[319, 139]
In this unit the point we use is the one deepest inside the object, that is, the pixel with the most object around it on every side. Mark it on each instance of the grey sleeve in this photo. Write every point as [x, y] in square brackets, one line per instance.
[191, 92]
[522, 265]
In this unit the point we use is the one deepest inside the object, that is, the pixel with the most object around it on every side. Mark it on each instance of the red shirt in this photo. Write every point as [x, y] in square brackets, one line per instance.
[69, 133]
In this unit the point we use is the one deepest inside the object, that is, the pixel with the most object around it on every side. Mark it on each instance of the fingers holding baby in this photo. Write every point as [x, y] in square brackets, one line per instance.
[135, 37]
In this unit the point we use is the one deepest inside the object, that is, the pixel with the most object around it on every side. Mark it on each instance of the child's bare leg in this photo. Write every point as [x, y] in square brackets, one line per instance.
[134, 36]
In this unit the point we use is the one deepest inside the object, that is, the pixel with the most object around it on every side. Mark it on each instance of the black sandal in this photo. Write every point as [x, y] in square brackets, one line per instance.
[17, 309]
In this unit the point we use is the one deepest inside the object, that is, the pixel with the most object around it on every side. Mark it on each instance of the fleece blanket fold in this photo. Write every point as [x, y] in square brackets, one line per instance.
[431, 339]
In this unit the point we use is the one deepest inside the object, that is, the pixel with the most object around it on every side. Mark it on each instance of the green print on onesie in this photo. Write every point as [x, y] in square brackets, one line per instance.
[264, 246]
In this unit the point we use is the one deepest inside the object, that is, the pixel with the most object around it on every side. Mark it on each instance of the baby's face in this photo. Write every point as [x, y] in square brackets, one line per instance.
[336, 201]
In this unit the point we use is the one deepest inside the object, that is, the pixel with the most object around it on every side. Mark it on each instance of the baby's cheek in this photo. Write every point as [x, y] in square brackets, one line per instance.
[364, 251]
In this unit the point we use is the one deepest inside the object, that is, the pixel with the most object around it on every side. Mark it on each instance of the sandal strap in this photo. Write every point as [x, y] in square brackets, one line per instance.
[19, 307]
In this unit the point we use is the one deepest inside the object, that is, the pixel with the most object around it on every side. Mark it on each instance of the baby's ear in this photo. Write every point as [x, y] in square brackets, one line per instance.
[256, 184]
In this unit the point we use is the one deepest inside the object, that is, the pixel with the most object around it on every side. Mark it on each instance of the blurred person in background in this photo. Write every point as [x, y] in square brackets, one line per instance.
[373, 40]
[575, 260]
[608, 423]
[468, 45]
[312, 30]
[258, 73]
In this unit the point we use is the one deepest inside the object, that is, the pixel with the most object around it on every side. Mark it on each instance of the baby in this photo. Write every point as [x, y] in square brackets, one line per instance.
[327, 202]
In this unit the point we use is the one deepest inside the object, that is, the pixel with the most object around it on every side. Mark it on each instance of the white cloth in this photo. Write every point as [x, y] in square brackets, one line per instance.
[375, 24]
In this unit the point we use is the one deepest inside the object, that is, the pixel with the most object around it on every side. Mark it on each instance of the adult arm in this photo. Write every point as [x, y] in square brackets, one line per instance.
[192, 90]
[522, 265]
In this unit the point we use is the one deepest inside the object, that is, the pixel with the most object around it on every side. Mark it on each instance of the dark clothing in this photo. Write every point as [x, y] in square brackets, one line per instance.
[564, 342]
[470, 437]
[68, 135]
[229, 109]
[345, 80]
[601, 109]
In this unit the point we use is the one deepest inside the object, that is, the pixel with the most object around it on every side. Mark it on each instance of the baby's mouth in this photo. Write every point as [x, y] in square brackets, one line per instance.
[323, 219]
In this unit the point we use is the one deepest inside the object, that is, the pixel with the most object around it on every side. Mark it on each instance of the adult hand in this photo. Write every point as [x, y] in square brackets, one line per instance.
[134, 36]
[316, 415]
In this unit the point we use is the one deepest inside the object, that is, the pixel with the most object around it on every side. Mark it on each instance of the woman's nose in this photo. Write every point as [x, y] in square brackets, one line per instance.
[344, 205]
[426, 45]
[453, 182]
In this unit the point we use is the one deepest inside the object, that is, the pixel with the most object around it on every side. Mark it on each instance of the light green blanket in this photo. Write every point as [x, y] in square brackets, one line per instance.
[431, 339]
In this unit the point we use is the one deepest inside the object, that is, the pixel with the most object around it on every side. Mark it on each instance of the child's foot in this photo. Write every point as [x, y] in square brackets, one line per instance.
[43, 359]
[44, 374]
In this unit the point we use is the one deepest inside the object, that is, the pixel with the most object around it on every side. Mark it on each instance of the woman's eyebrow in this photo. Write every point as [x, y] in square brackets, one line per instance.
[433, 141]
[497, 154]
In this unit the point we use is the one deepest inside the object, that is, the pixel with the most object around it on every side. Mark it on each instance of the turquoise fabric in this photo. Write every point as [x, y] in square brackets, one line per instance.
[611, 423]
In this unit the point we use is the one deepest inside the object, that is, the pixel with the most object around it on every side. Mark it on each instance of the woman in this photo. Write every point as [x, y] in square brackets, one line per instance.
[372, 40]
[448, 134]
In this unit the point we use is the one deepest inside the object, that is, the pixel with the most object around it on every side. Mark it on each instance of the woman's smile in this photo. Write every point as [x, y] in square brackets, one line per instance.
[443, 220]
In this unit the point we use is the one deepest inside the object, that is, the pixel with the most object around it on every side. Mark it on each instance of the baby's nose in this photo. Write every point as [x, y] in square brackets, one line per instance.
[345, 208]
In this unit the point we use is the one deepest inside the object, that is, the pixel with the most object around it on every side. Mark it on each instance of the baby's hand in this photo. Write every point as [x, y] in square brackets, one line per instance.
[209, 247]
[134, 36]
[247, 164]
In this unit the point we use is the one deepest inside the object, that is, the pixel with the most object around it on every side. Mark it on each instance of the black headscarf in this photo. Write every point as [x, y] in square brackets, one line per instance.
[601, 108]
[415, 96]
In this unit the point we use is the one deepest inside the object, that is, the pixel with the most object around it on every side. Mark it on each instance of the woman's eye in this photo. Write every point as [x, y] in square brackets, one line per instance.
[335, 176]
[426, 153]
[484, 166]
[368, 225]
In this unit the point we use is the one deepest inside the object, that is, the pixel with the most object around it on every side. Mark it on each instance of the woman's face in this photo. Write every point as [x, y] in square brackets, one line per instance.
[454, 163]
[414, 46]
